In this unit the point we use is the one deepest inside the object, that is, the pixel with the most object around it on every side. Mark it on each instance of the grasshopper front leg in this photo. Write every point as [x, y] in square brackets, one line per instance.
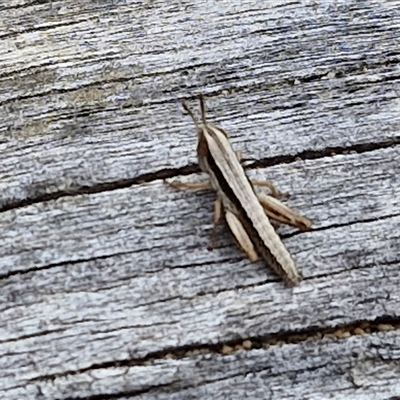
[217, 204]
[190, 185]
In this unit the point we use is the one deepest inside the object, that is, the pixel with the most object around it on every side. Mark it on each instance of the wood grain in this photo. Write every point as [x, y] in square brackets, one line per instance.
[107, 289]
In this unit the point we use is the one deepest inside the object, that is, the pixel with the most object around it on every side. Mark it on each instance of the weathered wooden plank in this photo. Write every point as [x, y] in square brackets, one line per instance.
[335, 191]
[85, 112]
[359, 367]
[99, 284]
[151, 284]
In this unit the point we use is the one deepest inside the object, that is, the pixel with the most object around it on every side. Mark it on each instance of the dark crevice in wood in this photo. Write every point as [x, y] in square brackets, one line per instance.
[191, 265]
[25, 5]
[99, 84]
[191, 169]
[24, 337]
[38, 29]
[102, 187]
[356, 67]
[61, 264]
[350, 268]
[42, 68]
[349, 223]
[360, 65]
[362, 327]
[118, 254]
[326, 152]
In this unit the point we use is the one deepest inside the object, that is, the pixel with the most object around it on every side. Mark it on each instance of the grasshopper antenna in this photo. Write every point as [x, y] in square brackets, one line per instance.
[189, 111]
[202, 109]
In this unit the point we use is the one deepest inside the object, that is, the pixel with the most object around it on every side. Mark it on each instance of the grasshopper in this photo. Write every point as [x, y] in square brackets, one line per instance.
[245, 211]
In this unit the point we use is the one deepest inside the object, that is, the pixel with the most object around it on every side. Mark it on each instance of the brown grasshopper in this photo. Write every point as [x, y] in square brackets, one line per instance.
[246, 212]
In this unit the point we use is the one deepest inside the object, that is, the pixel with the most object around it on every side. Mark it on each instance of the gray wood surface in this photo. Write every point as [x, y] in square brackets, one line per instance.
[107, 289]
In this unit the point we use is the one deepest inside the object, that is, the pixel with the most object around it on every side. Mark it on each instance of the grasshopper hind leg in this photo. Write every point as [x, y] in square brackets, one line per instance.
[242, 238]
[216, 220]
[279, 212]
